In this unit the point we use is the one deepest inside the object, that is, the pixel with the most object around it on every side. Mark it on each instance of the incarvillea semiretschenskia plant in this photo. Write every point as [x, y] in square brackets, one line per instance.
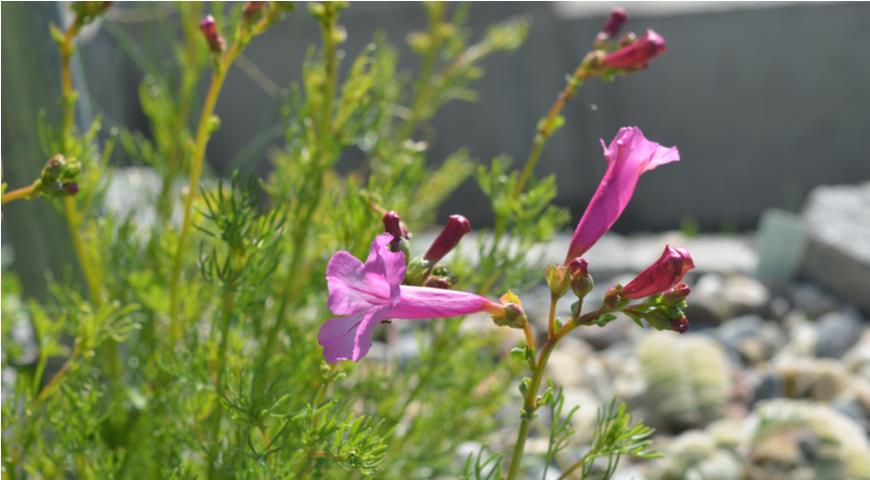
[206, 343]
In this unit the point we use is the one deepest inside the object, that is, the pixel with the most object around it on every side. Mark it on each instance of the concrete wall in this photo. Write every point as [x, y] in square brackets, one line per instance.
[764, 101]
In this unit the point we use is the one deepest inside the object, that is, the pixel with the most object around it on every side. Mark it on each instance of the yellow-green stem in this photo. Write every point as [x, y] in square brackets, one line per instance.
[324, 135]
[200, 142]
[530, 401]
[18, 194]
[548, 124]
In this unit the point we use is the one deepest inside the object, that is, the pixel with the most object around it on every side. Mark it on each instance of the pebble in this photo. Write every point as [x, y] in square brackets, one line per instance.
[837, 332]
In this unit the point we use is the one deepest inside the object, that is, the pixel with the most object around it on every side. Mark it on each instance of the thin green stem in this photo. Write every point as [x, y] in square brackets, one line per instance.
[324, 136]
[201, 140]
[189, 79]
[548, 124]
[227, 307]
[530, 401]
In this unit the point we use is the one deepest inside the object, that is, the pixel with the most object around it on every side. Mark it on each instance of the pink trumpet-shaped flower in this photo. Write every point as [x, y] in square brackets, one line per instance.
[628, 156]
[665, 273]
[367, 294]
[637, 55]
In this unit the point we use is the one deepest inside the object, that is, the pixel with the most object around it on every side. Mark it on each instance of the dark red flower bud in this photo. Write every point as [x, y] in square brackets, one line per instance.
[637, 54]
[680, 325]
[666, 272]
[581, 281]
[71, 188]
[214, 39]
[457, 226]
[252, 9]
[617, 19]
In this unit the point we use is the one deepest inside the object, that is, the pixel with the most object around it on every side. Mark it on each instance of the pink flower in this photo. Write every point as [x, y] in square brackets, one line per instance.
[665, 273]
[456, 227]
[636, 55]
[628, 156]
[367, 294]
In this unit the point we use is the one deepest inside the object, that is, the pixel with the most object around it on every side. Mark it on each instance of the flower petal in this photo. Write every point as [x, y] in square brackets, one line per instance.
[628, 156]
[348, 290]
[348, 338]
[385, 269]
[426, 302]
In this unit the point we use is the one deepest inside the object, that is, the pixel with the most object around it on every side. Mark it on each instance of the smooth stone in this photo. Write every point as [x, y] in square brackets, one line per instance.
[812, 300]
[715, 299]
[837, 332]
[781, 242]
[771, 386]
[837, 219]
[818, 379]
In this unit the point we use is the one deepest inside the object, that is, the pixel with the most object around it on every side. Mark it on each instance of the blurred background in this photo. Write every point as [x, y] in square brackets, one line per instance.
[769, 104]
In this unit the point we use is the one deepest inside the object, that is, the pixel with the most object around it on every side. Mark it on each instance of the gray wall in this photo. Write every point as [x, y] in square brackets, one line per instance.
[764, 103]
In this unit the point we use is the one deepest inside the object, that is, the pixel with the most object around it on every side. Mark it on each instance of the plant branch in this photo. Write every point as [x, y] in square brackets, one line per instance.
[548, 124]
[18, 194]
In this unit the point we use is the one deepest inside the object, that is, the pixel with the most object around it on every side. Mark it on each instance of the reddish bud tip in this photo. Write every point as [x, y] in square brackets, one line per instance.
[457, 226]
[636, 55]
[252, 9]
[617, 19]
[434, 281]
[680, 325]
[662, 275]
[209, 30]
[393, 226]
[581, 281]
[71, 188]
[578, 266]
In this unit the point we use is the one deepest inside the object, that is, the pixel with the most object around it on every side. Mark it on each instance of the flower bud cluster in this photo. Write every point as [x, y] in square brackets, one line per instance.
[628, 52]
[425, 270]
[59, 177]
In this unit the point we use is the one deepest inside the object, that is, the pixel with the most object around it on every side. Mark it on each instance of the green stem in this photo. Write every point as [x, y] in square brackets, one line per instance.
[227, 307]
[530, 401]
[18, 193]
[324, 136]
[201, 140]
[189, 79]
[424, 84]
[547, 125]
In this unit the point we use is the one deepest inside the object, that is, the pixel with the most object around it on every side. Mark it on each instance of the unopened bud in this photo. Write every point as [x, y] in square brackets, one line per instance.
[627, 39]
[512, 313]
[456, 227]
[611, 298]
[54, 165]
[253, 9]
[393, 226]
[676, 295]
[636, 55]
[558, 279]
[434, 281]
[70, 188]
[416, 271]
[617, 19]
[87, 11]
[663, 274]
[581, 281]
[680, 325]
[214, 39]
